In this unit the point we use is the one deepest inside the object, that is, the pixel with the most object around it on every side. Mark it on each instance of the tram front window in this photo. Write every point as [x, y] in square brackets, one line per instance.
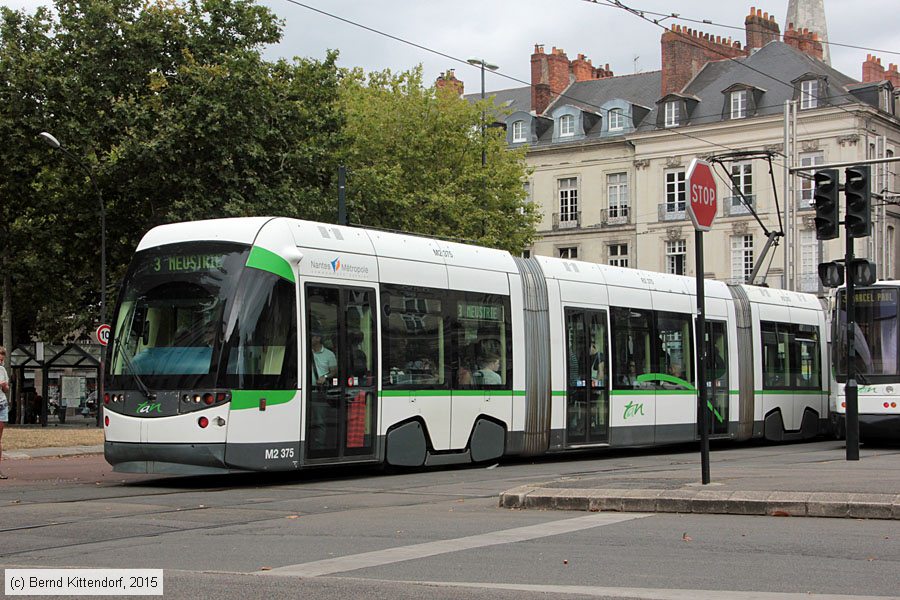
[168, 327]
[874, 335]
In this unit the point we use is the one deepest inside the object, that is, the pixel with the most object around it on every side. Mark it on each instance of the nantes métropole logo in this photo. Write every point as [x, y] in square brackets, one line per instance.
[340, 267]
[336, 264]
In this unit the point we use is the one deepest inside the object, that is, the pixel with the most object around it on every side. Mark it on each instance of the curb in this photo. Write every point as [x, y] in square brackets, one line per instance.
[48, 452]
[780, 504]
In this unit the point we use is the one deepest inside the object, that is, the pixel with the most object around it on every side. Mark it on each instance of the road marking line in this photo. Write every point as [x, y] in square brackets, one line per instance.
[393, 555]
[646, 593]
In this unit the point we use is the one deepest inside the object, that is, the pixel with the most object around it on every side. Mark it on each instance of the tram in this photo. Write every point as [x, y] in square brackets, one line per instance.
[279, 344]
[877, 360]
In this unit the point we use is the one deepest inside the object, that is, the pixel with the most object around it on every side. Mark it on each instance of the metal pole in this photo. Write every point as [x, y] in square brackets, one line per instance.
[483, 152]
[851, 395]
[701, 360]
[342, 195]
[787, 192]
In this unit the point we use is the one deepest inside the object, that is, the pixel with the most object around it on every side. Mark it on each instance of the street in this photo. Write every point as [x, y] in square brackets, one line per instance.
[361, 532]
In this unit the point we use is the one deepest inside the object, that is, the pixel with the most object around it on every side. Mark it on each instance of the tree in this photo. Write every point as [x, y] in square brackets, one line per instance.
[414, 160]
[169, 105]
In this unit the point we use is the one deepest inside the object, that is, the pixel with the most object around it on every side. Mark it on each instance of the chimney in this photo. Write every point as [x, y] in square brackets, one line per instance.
[549, 77]
[804, 40]
[872, 70]
[760, 29]
[893, 75]
[582, 69]
[685, 52]
[448, 81]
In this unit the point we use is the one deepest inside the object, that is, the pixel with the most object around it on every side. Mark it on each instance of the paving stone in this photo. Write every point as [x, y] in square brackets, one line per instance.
[824, 504]
[871, 506]
[788, 504]
[711, 501]
[675, 501]
[748, 503]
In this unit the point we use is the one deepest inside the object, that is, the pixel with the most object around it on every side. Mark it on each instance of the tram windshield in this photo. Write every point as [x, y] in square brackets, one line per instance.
[874, 335]
[169, 324]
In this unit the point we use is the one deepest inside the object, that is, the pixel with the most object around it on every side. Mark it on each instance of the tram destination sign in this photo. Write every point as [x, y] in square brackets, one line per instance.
[187, 263]
[870, 297]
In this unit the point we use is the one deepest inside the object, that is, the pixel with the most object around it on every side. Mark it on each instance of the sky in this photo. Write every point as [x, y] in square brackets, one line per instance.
[504, 32]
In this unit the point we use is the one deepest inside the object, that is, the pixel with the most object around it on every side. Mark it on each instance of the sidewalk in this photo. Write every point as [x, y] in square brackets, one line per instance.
[800, 480]
[44, 452]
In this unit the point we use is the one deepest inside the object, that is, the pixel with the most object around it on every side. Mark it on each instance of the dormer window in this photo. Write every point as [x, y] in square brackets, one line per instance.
[672, 113]
[616, 119]
[518, 132]
[566, 126]
[738, 104]
[809, 93]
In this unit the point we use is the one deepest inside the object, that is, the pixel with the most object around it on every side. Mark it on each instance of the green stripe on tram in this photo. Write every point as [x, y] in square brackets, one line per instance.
[266, 260]
[246, 399]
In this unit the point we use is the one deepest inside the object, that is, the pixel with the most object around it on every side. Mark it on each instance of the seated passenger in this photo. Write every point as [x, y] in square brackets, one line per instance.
[487, 373]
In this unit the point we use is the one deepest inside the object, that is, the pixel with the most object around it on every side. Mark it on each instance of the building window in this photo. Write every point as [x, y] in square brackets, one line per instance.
[618, 255]
[739, 104]
[568, 252]
[676, 255]
[809, 261]
[672, 113]
[809, 93]
[526, 253]
[518, 132]
[741, 183]
[741, 258]
[616, 119]
[568, 200]
[566, 126]
[675, 192]
[809, 159]
[617, 192]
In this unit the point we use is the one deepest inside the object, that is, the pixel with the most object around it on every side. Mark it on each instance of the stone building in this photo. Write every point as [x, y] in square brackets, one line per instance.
[609, 153]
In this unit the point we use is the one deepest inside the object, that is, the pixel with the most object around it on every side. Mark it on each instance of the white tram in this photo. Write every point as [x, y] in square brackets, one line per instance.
[277, 344]
[877, 364]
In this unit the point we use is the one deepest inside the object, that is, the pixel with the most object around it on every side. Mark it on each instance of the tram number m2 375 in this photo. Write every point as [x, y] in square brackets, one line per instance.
[276, 453]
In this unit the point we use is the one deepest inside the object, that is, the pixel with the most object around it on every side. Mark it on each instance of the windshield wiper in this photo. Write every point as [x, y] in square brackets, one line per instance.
[131, 368]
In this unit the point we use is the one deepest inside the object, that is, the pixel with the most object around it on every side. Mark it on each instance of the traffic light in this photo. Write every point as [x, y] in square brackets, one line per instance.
[831, 274]
[825, 194]
[861, 271]
[859, 201]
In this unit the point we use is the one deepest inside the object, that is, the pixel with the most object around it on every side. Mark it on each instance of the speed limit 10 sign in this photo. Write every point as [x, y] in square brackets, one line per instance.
[703, 195]
[102, 334]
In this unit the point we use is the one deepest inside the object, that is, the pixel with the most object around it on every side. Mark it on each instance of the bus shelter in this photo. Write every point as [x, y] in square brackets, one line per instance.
[50, 358]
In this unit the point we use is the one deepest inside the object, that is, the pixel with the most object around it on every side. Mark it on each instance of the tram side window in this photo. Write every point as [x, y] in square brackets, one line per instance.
[631, 346]
[483, 339]
[261, 336]
[675, 350]
[413, 337]
[790, 356]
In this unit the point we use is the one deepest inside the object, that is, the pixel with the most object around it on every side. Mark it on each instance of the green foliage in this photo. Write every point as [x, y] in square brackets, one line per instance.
[167, 110]
[414, 163]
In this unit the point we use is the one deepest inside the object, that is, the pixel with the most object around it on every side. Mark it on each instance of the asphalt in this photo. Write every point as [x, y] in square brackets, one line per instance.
[797, 480]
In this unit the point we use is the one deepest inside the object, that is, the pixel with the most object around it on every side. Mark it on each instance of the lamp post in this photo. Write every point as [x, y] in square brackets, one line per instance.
[51, 141]
[480, 62]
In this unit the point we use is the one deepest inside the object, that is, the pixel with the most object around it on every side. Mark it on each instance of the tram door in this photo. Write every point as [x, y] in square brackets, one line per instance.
[587, 377]
[717, 391]
[340, 380]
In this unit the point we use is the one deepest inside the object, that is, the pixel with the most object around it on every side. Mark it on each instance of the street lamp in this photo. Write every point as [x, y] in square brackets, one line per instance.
[480, 62]
[51, 141]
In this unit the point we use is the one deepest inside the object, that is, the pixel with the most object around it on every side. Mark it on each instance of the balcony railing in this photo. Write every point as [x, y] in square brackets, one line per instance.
[735, 205]
[567, 220]
[672, 211]
[620, 215]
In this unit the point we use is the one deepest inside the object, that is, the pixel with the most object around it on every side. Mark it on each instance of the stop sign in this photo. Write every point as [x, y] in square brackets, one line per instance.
[702, 193]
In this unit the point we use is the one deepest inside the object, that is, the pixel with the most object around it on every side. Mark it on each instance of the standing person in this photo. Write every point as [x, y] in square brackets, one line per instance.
[324, 360]
[4, 402]
[487, 373]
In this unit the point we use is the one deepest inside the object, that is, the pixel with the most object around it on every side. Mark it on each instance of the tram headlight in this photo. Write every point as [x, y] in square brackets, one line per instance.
[196, 398]
[208, 398]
